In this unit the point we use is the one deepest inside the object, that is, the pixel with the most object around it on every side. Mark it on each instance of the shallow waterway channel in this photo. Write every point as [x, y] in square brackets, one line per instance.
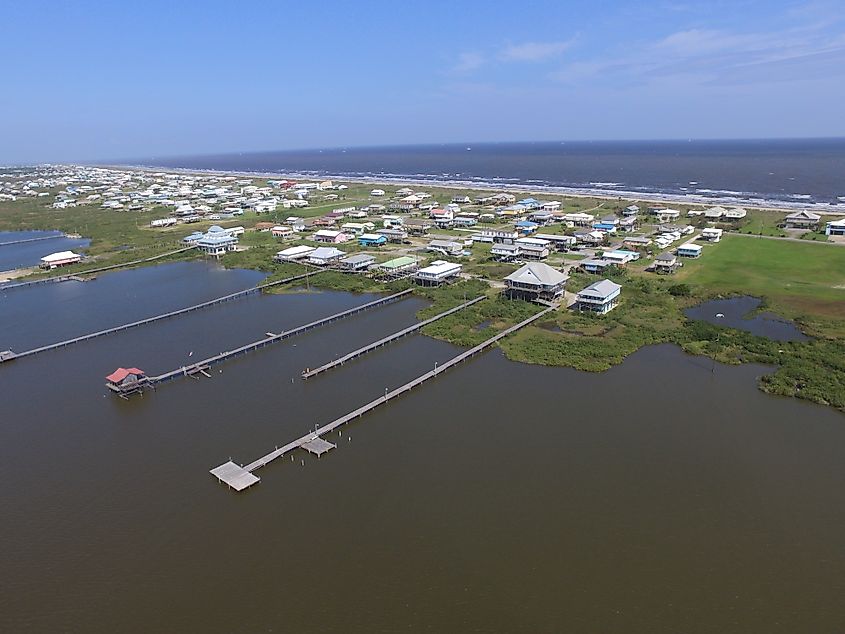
[667, 494]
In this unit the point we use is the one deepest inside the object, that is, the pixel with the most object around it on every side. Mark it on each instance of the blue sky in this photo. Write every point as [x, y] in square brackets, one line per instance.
[99, 80]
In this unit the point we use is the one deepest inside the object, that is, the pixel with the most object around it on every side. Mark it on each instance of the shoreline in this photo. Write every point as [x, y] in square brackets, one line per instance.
[550, 190]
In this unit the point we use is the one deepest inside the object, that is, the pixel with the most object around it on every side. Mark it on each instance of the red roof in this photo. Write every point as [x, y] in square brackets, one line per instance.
[121, 373]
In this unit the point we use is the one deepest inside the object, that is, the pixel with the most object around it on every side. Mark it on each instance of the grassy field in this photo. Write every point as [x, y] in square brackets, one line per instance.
[797, 280]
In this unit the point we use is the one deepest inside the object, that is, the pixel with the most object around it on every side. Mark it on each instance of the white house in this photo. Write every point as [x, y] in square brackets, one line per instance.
[357, 262]
[446, 247]
[377, 192]
[533, 248]
[323, 256]
[504, 251]
[599, 297]
[217, 241]
[293, 253]
[690, 250]
[665, 215]
[62, 258]
[835, 228]
[163, 222]
[802, 220]
[715, 213]
[281, 231]
[437, 272]
[711, 234]
[735, 213]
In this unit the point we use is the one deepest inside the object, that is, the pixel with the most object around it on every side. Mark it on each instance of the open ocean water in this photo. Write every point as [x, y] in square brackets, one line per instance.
[785, 172]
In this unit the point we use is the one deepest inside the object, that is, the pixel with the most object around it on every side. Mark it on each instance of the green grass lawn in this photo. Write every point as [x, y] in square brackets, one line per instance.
[762, 223]
[795, 279]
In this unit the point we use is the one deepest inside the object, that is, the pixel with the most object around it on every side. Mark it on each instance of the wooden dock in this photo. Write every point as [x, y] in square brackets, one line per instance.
[241, 477]
[25, 240]
[271, 338]
[76, 276]
[149, 320]
[307, 374]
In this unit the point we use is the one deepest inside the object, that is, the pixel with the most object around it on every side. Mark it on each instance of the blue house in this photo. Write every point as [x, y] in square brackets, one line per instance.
[604, 226]
[526, 226]
[530, 203]
[192, 239]
[371, 240]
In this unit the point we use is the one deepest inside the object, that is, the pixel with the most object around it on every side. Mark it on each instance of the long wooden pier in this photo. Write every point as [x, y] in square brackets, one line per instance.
[240, 477]
[76, 276]
[25, 240]
[389, 339]
[200, 366]
[149, 320]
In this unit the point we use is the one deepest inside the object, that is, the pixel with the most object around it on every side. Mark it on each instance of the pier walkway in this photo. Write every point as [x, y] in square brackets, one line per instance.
[200, 366]
[77, 276]
[241, 477]
[149, 320]
[386, 340]
[25, 240]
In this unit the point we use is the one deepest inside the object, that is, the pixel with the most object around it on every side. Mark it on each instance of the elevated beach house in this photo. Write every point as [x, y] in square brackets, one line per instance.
[599, 297]
[358, 262]
[665, 263]
[323, 256]
[217, 241]
[711, 234]
[536, 280]
[293, 253]
[437, 273]
[446, 247]
[802, 220]
[330, 236]
[372, 240]
[690, 250]
[396, 268]
[835, 228]
[126, 381]
[62, 258]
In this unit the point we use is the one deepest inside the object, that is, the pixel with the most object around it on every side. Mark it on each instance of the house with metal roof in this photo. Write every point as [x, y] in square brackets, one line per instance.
[437, 272]
[217, 241]
[323, 256]
[536, 280]
[372, 240]
[533, 248]
[835, 228]
[665, 263]
[599, 297]
[711, 234]
[293, 253]
[446, 247]
[504, 252]
[802, 220]
[62, 258]
[690, 250]
[357, 262]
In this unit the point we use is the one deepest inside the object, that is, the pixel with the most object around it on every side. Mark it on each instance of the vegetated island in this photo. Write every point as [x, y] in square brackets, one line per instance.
[797, 268]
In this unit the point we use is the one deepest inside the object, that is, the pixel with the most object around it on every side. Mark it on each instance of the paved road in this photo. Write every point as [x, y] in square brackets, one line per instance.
[786, 239]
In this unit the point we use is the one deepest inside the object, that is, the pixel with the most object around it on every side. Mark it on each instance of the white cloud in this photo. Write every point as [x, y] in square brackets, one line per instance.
[468, 62]
[534, 51]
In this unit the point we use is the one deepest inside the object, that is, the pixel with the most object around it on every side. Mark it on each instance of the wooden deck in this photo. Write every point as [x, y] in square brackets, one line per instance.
[75, 276]
[142, 322]
[200, 366]
[407, 387]
[25, 240]
[386, 340]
